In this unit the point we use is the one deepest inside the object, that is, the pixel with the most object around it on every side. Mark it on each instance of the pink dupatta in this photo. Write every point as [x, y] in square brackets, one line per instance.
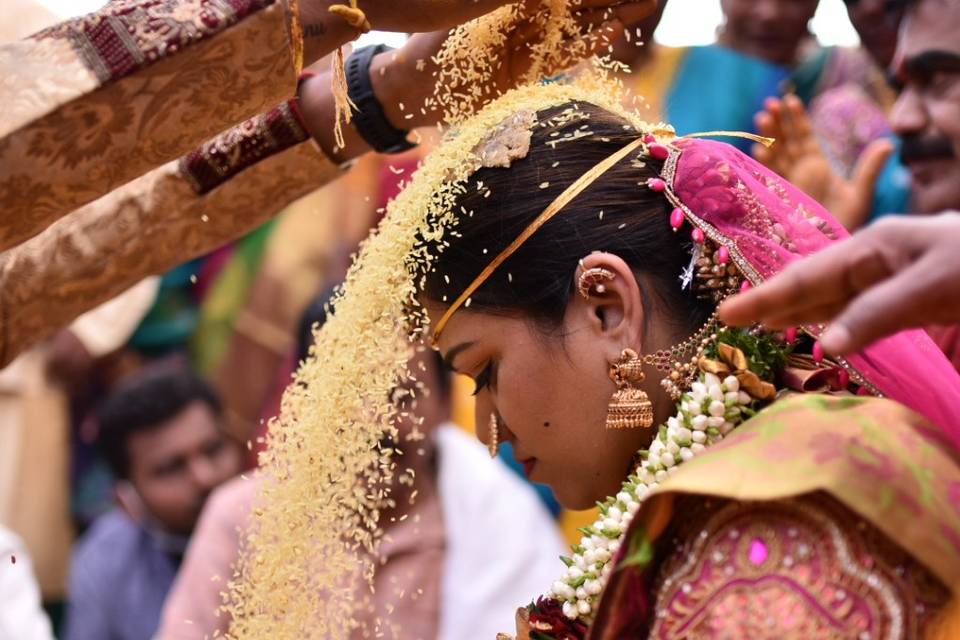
[766, 223]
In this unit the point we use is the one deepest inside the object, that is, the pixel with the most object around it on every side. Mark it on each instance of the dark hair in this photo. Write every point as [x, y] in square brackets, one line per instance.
[144, 402]
[618, 214]
[315, 314]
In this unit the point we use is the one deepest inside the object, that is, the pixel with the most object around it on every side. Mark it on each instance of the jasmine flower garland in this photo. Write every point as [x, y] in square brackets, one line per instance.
[709, 411]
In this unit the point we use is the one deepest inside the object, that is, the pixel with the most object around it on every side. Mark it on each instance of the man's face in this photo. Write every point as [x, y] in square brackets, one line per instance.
[176, 465]
[876, 24]
[927, 113]
[768, 29]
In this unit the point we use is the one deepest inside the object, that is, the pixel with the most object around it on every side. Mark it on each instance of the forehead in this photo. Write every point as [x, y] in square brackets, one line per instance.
[186, 432]
[930, 25]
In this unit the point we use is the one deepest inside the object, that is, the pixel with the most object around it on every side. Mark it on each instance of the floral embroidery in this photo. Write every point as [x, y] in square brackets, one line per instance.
[804, 568]
[127, 35]
[89, 124]
[229, 153]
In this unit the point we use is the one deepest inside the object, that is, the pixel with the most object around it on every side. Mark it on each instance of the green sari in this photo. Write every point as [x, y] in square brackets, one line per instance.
[830, 516]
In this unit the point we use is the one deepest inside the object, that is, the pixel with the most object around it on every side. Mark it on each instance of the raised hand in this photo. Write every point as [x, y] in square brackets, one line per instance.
[896, 274]
[798, 157]
[407, 76]
[417, 16]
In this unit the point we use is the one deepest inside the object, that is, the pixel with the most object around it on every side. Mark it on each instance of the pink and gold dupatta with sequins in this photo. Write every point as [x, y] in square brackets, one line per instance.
[889, 460]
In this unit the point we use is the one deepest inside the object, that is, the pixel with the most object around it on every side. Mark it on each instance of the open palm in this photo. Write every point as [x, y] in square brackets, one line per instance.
[798, 157]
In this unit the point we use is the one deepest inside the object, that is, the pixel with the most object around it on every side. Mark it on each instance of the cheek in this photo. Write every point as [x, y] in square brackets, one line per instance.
[166, 494]
[548, 401]
[946, 118]
[227, 461]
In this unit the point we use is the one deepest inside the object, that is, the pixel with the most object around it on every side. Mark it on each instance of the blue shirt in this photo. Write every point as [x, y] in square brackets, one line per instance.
[119, 579]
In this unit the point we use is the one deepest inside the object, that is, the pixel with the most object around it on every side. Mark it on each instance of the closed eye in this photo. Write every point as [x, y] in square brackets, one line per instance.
[482, 381]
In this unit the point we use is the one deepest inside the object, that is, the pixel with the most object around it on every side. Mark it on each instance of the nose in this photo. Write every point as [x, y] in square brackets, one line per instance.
[871, 9]
[204, 472]
[765, 10]
[909, 114]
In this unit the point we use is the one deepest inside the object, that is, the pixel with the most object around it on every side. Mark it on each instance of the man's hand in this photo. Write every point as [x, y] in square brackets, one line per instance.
[407, 77]
[896, 274]
[324, 31]
[404, 79]
[798, 157]
[418, 16]
[69, 363]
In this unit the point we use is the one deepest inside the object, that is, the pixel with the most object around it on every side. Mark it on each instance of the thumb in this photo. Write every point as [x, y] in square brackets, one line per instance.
[870, 165]
[864, 182]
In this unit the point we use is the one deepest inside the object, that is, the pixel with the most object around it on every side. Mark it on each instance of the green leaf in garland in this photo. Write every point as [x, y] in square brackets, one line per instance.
[765, 352]
[639, 551]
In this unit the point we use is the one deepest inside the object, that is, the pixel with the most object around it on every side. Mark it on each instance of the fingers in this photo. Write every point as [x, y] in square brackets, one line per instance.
[880, 311]
[807, 315]
[870, 165]
[773, 157]
[797, 125]
[762, 154]
[632, 12]
[824, 280]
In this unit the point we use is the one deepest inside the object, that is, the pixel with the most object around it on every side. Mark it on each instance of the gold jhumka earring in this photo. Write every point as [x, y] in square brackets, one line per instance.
[493, 446]
[630, 407]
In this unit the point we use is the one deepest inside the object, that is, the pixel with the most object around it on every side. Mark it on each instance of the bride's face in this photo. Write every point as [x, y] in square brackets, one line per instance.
[550, 391]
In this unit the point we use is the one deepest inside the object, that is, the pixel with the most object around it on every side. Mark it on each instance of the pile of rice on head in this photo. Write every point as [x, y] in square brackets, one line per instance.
[315, 530]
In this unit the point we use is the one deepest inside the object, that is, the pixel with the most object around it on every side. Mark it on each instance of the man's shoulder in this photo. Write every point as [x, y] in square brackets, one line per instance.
[109, 537]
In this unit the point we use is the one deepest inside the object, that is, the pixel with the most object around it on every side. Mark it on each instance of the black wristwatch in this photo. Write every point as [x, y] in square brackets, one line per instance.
[368, 118]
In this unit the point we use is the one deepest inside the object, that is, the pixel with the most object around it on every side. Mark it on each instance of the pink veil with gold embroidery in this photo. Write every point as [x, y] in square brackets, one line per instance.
[767, 223]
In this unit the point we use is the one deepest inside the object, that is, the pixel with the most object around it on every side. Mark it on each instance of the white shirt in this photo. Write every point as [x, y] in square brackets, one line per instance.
[503, 546]
[21, 616]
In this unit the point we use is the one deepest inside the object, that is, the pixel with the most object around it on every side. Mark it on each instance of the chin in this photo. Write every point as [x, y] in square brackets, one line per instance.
[579, 497]
[936, 197]
[572, 496]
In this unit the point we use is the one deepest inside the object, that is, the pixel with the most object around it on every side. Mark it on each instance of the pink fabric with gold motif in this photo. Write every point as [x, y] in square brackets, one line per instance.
[767, 223]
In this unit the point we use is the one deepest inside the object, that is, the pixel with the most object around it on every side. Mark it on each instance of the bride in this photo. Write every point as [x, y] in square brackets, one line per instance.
[570, 259]
[780, 494]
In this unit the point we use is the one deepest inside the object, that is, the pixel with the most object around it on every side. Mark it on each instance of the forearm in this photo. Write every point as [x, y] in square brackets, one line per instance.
[400, 88]
[95, 102]
[165, 217]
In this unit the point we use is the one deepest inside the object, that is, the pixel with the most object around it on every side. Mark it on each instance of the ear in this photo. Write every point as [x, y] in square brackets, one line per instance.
[129, 500]
[613, 312]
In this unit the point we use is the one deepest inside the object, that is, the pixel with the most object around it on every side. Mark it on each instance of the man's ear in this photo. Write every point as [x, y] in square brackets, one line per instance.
[129, 500]
[612, 307]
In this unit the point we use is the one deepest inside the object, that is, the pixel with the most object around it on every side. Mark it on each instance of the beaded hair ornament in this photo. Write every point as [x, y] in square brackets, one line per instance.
[715, 275]
[747, 224]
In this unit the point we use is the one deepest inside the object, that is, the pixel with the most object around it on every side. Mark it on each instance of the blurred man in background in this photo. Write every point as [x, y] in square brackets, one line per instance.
[161, 433]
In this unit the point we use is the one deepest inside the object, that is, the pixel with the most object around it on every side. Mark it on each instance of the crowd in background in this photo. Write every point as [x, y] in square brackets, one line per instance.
[122, 437]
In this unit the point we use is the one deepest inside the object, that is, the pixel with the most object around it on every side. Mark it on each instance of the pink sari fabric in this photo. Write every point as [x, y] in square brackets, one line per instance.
[767, 223]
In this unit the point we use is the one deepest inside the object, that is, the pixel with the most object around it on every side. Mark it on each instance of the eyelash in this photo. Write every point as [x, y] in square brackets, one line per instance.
[483, 380]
